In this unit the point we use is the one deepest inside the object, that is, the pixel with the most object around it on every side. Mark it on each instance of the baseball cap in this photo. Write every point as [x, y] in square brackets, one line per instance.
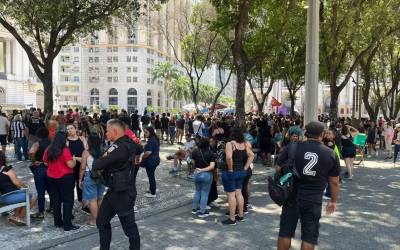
[315, 128]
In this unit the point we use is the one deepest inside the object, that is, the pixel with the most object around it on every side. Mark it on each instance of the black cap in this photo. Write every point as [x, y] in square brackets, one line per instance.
[315, 128]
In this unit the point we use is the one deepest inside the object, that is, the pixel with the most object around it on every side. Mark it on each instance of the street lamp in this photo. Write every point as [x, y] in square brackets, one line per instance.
[312, 62]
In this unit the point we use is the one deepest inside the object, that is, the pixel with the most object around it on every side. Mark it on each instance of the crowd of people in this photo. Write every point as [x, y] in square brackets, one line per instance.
[64, 148]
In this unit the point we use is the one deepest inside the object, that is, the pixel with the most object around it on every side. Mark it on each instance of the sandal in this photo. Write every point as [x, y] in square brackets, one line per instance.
[16, 221]
[37, 216]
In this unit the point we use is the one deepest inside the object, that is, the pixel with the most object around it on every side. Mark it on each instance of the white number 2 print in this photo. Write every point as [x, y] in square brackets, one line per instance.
[313, 160]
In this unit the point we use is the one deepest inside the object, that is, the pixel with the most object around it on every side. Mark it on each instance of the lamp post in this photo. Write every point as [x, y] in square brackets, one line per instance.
[312, 62]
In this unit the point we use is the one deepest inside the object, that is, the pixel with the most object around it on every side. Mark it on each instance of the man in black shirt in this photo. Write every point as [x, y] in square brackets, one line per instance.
[135, 123]
[164, 126]
[315, 165]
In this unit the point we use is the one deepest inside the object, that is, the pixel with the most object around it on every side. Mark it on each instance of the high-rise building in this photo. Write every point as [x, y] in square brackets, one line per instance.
[113, 68]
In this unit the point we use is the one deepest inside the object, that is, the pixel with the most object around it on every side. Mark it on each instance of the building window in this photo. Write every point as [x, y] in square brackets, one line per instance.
[115, 59]
[109, 69]
[96, 49]
[134, 79]
[94, 79]
[149, 98]
[115, 69]
[109, 59]
[134, 69]
[115, 78]
[91, 50]
[109, 49]
[128, 58]
[115, 49]
[96, 59]
[128, 49]
[148, 60]
[90, 59]
[134, 49]
[76, 59]
[128, 69]
[2, 95]
[134, 58]
[128, 79]
[113, 97]
[94, 97]
[109, 79]
[159, 97]
[76, 78]
[3, 58]
[132, 100]
[148, 81]
[148, 71]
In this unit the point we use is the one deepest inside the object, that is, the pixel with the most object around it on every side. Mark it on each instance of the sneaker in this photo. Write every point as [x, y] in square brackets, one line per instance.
[228, 222]
[150, 195]
[326, 197]
[86, 209]
[238, 218]
[245, 211]
[350, 177]
[170, 157]
[208, 207]
[195, 211]
[135, 209]
[203, 215]
[71, 228]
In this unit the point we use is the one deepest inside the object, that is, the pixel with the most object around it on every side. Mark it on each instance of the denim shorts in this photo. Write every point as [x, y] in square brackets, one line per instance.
[91, 190]
[233, 180]
[15, 197]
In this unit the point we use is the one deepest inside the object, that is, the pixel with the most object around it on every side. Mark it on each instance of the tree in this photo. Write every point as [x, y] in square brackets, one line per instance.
[167, 72]
[207, 93]
[44, 27]
[192, 44]
[179, 88]
[344, 40]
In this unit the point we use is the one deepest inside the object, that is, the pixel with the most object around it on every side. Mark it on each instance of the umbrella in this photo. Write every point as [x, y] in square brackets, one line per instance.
[229, 110]
[219, 106]
[190, 107]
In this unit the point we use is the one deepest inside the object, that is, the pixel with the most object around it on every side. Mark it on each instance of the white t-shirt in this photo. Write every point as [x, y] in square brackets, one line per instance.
[4, 125]
[198, 128]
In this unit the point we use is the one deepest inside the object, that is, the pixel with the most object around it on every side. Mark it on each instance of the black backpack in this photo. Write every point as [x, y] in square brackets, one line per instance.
[281, 192]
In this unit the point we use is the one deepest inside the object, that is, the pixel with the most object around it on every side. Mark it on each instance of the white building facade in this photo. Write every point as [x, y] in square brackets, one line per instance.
[19, 88]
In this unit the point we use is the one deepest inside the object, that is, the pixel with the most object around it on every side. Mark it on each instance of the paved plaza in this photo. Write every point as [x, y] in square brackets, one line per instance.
[368, 217]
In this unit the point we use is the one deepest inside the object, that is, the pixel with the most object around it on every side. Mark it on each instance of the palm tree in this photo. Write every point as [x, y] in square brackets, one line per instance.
[207, 93]
[179, 89]
[168, 73]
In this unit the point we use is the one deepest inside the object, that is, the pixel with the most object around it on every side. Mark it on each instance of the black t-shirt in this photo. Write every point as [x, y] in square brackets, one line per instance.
[202, 159]
[180, 123]
[157, 124]
[164, 122]
[135, 121]
[145, 120]
[315, 163]
[34, 124]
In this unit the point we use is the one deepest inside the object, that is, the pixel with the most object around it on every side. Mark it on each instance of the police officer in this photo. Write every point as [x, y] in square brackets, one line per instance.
[117, 170]
[315, 164]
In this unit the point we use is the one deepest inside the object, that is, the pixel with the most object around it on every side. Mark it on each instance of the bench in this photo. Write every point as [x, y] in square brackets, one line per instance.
[26, 203]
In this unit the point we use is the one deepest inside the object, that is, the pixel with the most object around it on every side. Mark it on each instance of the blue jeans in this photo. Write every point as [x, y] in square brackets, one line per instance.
[15, 197]
[21, 143]
[202, 182]
[172, 133]
[150, 170]
[41, 184]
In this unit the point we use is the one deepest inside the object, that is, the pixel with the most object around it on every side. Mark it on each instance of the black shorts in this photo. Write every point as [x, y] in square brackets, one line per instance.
[309, 214]
[3, 140]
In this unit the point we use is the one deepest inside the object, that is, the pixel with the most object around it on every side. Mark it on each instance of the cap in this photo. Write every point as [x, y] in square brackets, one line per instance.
[315, 128]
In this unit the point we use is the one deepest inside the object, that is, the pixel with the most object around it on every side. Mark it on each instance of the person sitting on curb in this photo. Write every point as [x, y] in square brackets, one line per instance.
[182, 155]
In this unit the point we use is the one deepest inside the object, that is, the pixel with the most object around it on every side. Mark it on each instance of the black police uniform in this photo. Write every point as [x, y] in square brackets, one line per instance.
[118, 173]
[315, 163]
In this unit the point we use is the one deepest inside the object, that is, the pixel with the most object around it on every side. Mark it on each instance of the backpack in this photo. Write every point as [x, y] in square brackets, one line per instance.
[221, 157]
[280, 186]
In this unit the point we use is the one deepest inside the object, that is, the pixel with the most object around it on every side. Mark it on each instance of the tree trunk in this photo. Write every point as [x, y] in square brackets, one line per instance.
[47, 81]
[292, 103]
[333, 113]
[240, 96]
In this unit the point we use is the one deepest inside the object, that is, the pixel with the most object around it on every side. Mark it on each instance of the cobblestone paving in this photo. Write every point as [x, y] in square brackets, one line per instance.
[173, 191]
[368, 219]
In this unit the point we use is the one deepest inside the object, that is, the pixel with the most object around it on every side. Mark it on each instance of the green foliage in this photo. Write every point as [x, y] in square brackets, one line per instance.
[179, 89]
[227, 100]
[207, 93]
[165, 70]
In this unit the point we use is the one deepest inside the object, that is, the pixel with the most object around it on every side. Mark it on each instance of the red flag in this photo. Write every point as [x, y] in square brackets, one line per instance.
[275, 102]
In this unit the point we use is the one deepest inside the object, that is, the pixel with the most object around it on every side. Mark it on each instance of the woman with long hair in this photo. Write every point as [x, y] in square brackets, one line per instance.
[151, 159]
[39, 169]
[204, 163]
[60, 171]
[76, 144]
[239, 157]
[92, 191]
[348, 150]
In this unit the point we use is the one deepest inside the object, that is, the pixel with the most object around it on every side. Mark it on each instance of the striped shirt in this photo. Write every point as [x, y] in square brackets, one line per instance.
[18, 128]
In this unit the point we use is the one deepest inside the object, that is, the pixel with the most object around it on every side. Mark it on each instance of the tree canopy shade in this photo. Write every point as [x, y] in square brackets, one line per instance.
[44, 27]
